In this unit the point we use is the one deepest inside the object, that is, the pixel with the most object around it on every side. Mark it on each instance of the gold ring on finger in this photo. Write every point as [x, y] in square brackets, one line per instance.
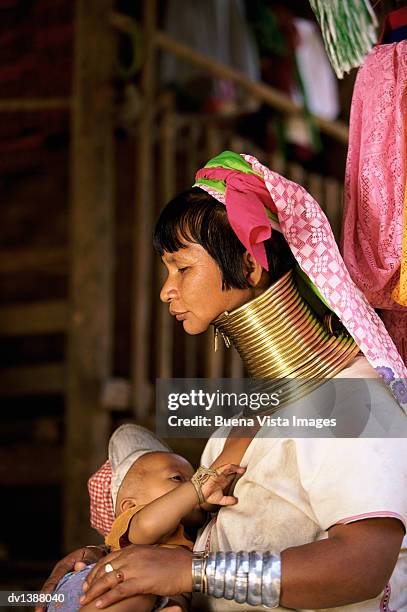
[119, 576]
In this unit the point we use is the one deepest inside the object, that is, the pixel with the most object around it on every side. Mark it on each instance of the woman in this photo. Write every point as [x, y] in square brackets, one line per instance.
[333, 510]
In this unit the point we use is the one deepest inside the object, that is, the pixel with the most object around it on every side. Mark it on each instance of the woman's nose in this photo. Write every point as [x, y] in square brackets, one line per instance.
[168, 291]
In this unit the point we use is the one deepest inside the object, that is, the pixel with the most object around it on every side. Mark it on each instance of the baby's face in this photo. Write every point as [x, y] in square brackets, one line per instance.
[154, 475]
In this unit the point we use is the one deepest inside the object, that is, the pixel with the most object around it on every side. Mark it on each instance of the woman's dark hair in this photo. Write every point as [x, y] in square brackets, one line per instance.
[195, 216]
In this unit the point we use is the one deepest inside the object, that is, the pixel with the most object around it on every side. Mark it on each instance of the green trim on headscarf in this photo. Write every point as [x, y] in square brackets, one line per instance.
[272, 216]
[311, 285]
[231, 161]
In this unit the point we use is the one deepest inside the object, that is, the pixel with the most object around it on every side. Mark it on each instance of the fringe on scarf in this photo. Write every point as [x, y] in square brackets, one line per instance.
[348, 29]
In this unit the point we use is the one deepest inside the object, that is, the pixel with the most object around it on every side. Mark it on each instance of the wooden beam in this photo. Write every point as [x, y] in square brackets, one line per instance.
[143, 223]
[13, 105]
[90, 324]
[33, 318]
[278, 100]
[35, 259]
[33, 380]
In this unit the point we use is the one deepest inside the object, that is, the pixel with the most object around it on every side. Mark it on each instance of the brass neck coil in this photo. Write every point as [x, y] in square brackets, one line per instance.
[278, 335]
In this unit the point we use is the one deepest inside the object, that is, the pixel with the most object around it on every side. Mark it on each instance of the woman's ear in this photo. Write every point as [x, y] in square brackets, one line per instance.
[252, 269]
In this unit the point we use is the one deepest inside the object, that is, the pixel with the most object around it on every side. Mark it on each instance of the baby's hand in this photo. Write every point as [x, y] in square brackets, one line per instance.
[213, 489]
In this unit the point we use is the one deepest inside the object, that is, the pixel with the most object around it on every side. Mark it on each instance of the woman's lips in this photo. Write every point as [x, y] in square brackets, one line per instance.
[180, 316]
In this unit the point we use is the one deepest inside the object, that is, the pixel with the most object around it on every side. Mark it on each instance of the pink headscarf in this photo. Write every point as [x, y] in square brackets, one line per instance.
[247, 199]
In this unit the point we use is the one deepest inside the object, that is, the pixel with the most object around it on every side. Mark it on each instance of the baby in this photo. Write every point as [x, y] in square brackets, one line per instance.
[153, 490]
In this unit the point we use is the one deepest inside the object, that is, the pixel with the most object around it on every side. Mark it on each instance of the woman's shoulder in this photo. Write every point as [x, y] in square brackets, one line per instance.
[358, 368]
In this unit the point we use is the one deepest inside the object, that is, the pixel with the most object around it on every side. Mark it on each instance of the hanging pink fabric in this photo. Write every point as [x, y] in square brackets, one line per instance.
[376, 180]
[246, 198]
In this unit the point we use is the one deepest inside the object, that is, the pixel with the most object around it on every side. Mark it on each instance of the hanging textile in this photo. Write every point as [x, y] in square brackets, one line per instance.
[348, 29]
[373, 242]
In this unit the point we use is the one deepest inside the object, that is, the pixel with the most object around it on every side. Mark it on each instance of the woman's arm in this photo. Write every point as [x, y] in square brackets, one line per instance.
[352, 565]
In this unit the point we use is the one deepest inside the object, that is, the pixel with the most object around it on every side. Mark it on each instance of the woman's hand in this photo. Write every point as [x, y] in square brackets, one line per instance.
[145, 569]
[75, 561]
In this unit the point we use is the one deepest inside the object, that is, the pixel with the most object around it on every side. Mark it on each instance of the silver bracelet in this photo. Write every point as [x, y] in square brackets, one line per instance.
[220, 570]
[210, 573]
[242, 577]
[198, 570]
[253, 578]
[271, 580]
[230, 575]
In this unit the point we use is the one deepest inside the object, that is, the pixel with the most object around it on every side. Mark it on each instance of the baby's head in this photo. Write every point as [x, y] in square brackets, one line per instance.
[143, 467]
[152, 475]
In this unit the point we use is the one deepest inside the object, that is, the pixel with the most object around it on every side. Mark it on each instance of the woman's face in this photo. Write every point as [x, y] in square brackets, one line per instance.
[193, 288]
